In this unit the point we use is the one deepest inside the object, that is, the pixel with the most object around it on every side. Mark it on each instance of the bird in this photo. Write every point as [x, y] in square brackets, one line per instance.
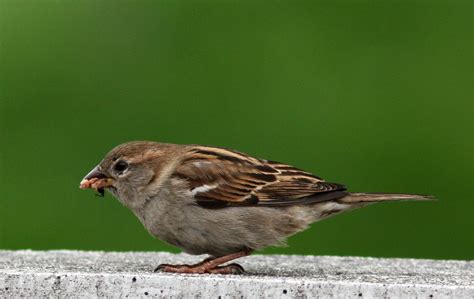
[220, 202]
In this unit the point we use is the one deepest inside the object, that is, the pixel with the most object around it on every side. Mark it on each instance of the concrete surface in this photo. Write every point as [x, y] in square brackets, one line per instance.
[100, 274]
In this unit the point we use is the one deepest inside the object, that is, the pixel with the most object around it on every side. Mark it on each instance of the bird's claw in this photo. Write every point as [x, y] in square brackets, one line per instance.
[200, 269]
[233, 268]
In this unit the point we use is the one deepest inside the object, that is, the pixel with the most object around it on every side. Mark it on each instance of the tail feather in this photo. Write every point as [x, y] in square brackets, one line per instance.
[376, 197]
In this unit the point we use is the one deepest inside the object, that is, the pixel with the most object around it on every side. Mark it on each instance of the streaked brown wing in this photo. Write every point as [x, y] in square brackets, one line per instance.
[219, 177]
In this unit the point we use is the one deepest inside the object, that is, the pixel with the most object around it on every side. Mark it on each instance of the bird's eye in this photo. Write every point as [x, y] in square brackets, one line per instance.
[120, 166]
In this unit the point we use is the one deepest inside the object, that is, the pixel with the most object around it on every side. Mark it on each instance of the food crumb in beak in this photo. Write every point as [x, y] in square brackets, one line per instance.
[85, 183]
[101, 192]
[98, 184]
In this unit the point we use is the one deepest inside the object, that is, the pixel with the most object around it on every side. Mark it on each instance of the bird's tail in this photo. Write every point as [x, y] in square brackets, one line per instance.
[378, 197]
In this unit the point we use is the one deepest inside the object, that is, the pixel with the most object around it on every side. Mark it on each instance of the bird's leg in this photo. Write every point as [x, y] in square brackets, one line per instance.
[209, 265]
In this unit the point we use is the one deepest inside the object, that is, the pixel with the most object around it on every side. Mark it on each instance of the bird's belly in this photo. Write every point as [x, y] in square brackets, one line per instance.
[196, 236]
[198, 230]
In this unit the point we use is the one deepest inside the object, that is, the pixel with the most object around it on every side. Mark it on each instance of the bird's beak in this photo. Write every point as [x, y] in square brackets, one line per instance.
[96, 179]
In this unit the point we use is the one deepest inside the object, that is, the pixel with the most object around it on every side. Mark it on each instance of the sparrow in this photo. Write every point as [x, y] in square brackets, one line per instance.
[217, 201]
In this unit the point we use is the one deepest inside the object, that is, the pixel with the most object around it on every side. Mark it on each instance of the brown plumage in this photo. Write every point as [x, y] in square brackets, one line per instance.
[234, 179]
[218, 201]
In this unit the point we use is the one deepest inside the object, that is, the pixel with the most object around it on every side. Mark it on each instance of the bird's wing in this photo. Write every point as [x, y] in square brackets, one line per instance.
[219, 177]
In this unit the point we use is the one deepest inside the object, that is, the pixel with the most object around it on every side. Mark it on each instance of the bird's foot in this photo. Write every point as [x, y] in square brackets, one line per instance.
[201, 268]
[228, 269]
[210, 265]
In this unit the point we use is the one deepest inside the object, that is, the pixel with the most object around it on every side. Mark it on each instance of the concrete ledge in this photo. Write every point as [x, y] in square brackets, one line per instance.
[100, 274]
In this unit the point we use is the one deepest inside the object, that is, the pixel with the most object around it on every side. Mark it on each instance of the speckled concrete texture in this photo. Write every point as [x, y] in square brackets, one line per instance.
[62, 274]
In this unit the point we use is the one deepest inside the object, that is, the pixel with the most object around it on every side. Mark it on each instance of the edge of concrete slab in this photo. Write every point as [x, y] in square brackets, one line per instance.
[65, 273]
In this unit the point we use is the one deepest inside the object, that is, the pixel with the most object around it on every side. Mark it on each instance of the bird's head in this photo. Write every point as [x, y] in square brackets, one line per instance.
[127, 169]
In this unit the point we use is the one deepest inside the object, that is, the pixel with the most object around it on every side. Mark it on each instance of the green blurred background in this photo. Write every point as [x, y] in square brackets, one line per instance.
[374, 94]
